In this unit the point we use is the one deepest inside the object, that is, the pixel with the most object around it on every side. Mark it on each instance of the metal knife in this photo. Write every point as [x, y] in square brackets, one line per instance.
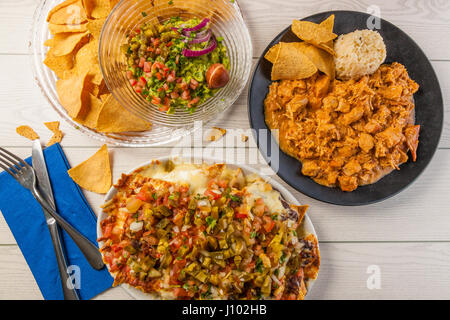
[40, 167]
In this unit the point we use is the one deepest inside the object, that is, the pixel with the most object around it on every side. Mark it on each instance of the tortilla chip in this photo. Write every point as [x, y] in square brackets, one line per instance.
[86, 60]
[70, 94]
[312, 32]
[328, 23]
[97, 9]
[114, 118]
[292, 64]
[91, 118]
[59, 28]
[103, 89]
[272, 54]
[58, 64]
[95, 27]
[65, 43]
[52, 126]
[321, 59]
[94, 174]
[69, 12]
[27, 132]
[56, 138]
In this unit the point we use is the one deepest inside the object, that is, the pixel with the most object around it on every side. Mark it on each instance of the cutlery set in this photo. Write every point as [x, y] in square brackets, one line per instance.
[35, 178]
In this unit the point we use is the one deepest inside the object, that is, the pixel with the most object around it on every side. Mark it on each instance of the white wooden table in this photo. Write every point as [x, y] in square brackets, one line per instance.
[407, 238]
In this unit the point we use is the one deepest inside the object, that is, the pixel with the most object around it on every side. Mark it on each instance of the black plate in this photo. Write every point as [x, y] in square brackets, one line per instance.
[429, 113]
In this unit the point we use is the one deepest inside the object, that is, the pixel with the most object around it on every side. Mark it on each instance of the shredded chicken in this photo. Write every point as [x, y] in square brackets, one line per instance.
[346, 133]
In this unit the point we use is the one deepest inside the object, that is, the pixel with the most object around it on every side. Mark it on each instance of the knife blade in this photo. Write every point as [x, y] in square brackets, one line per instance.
[44, 185]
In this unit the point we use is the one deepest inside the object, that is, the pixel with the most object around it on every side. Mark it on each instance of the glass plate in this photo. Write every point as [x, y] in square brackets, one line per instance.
[160, 134]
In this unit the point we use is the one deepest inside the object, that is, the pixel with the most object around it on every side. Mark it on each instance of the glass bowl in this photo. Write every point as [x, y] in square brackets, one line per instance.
[226, 22]
[46, 81]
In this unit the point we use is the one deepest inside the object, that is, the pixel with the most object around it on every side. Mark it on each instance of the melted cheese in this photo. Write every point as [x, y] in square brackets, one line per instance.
[182, 173]
[258, 189]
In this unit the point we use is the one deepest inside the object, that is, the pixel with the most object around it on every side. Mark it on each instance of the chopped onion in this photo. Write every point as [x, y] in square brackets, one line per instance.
[136, 226]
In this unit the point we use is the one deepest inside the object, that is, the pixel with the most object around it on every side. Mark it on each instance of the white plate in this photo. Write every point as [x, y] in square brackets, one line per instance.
[307, 224]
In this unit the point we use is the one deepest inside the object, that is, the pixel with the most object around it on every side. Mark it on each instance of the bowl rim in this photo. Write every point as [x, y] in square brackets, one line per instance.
[284, 192]
[211, 117]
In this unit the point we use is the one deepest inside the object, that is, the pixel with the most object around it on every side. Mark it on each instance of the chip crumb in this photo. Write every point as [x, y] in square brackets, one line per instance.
[244, 138]
[56, 138]
[216, 134]
[27, 132]
[53, 126]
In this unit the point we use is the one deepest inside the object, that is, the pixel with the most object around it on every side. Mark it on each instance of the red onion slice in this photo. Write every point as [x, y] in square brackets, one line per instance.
[202, 37]
[197, 53]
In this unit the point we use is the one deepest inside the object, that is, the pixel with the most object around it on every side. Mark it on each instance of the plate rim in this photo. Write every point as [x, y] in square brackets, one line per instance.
[275, 40]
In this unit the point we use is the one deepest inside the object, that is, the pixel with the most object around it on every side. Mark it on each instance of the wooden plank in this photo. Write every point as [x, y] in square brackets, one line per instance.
[426, 22]
[23, 103]
[407, 271]
[420, 213]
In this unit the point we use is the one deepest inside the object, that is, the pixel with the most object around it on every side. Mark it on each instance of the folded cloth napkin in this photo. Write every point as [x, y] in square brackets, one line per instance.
[26, 220]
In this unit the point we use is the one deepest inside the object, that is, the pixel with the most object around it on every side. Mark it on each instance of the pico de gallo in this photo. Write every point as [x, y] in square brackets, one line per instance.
[176, 64]
[231, 238]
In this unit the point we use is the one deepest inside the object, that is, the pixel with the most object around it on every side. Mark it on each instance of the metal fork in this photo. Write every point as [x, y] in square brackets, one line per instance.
[25, 175]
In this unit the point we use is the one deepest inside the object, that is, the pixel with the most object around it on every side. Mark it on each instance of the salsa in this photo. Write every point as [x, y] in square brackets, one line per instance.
[176, 64]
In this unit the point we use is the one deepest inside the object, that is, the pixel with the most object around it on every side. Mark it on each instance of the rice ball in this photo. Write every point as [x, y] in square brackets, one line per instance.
[358, 53]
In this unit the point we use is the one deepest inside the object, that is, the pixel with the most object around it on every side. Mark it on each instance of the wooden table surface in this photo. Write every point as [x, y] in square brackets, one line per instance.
[405, 238]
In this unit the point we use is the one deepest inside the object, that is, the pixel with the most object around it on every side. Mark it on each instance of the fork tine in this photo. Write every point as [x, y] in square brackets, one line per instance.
[8, 163]
[7, 170]
[15, 157]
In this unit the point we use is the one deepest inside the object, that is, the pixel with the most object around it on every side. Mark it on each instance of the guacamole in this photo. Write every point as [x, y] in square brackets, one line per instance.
[168, 63]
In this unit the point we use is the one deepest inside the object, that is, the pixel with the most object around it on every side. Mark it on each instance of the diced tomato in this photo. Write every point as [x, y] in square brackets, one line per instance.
[138, 30]
[147, 66]
[184, 86]
[169, 44]
[156, 100]
[174, 95]
[269, 224]
[163, 108]
[185, 95]
[170, 78]
[180, 292]
[212, 194]
[166, 101]
[194, 84]
[158, 51]
[141, 62]
[138, 89]
[107, 231]
[129, 74]
[193, 101]
[158, 76]
[241, 215]
[177, 59]
[150, 49]
[133, 82]
[142, 82]
[156, 42]
[143, 195]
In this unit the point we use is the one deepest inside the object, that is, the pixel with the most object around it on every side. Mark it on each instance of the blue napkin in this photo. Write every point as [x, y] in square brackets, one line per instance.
[27, 223]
